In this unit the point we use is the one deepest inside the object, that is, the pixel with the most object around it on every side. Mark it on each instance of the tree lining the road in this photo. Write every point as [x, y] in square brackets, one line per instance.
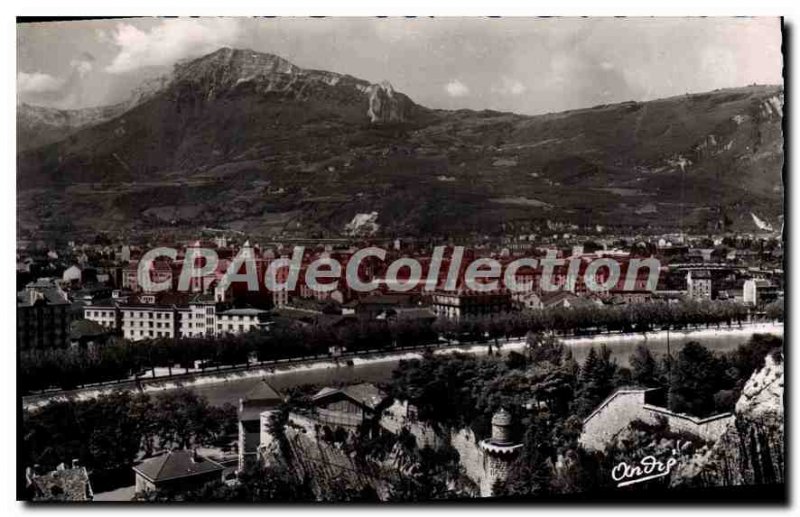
[74, 367]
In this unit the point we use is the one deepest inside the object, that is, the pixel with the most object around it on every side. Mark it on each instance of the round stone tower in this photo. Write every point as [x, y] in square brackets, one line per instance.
[499, 452]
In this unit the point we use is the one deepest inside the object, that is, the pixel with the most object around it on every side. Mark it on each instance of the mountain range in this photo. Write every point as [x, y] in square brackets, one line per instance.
[248, 141]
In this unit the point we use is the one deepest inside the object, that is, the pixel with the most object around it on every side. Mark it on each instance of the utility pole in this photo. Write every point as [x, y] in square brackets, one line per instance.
[669, 368]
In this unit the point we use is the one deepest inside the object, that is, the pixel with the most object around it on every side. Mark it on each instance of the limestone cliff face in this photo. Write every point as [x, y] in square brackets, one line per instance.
[331, 466]
[386, 105]
[763, 393]
[752, 450]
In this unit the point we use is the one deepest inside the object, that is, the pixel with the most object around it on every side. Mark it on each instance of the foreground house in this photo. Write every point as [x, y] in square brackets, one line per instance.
[263, 397]
[349, 406]
[176, 470]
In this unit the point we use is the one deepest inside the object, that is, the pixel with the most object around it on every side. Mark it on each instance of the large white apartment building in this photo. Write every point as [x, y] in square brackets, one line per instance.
[198, 319]
[147, 319]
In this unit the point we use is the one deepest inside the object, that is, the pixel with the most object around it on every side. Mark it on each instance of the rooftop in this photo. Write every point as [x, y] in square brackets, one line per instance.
[47, 295]
[365, 393]
[243, 312]
[176, 465]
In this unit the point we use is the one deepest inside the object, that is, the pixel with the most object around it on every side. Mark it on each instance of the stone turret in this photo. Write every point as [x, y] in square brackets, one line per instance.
[501, 428]
[499, 451]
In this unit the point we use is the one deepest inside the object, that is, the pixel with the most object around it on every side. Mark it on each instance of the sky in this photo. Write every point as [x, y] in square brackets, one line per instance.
[522, 65]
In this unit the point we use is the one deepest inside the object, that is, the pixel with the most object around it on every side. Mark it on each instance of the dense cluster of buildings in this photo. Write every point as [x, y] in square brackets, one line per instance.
[101, 284]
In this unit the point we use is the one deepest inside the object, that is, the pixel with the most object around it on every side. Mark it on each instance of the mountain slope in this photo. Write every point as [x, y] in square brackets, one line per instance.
[251, 142]
[39, 125]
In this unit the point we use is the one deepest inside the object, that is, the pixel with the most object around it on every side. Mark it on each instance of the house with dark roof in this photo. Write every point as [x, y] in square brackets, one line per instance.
[417, 314]
[376, 304]
[263, 397]
[87, 333]
[349, 406]
[565, 299]
[179, 470]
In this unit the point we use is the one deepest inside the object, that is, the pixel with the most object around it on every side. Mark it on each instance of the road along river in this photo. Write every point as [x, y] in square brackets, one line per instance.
[230, 386]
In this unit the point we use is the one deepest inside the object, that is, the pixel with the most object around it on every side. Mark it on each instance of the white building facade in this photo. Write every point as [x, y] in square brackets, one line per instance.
[148, 320]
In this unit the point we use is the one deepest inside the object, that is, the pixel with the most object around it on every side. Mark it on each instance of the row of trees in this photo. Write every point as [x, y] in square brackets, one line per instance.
[70, 368]
[74, 367]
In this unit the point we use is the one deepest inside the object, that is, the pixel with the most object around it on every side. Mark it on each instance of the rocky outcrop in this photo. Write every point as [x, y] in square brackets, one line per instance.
[751, 451]
[385, 105]
[763, 393]
[363, 225]
[772, 107]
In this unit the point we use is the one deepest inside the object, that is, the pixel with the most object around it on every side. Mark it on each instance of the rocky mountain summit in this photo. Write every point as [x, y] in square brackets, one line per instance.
[211, 77]
[236, 71]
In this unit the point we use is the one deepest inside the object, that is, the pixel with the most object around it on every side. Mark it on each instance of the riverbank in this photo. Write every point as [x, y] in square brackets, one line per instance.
[228, 386]
[746, 329]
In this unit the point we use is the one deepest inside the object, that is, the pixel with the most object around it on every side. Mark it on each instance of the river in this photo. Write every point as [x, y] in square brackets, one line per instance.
[621, 347]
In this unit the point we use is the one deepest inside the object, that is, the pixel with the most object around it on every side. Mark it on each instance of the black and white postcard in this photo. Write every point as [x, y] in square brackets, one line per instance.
[400, 260]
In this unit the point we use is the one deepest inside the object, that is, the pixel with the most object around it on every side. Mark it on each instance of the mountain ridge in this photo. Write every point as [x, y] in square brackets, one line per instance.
[251, 141]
